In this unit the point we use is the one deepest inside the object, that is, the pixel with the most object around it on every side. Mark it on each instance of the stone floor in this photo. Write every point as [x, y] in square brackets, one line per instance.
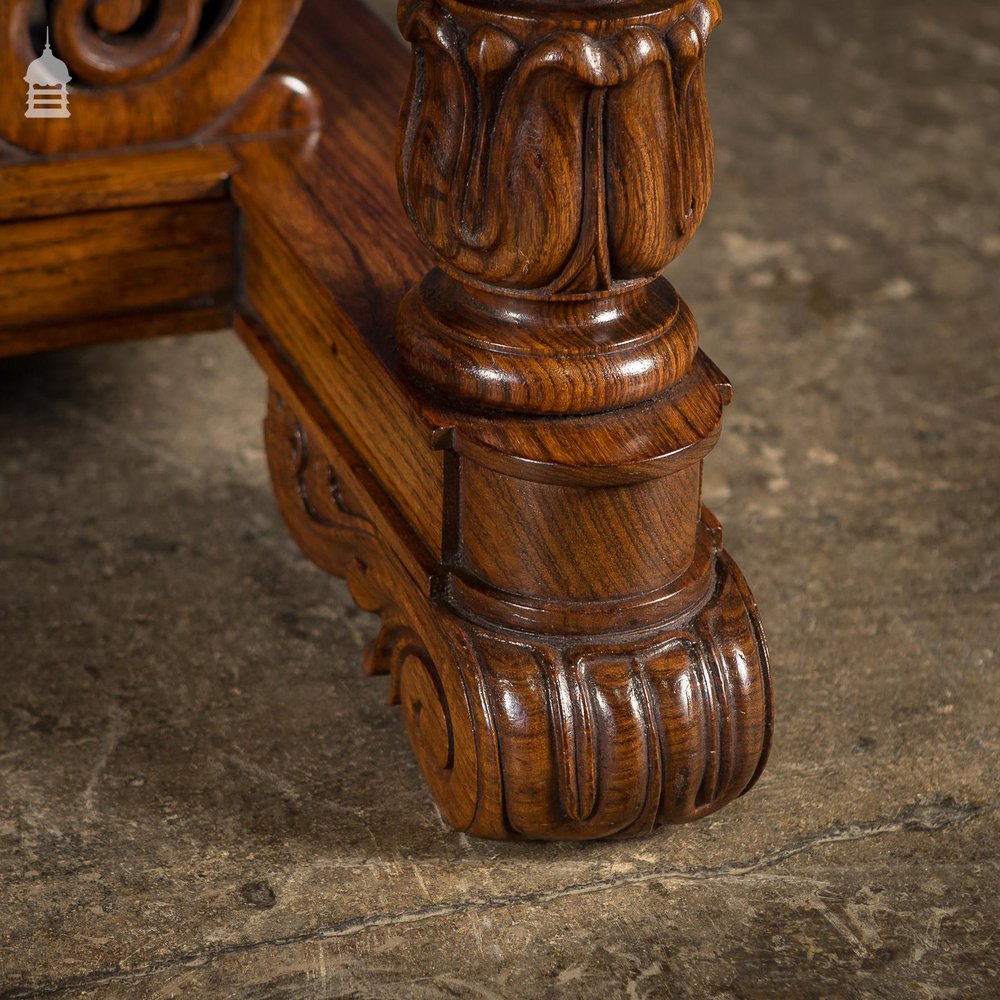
[202, 796]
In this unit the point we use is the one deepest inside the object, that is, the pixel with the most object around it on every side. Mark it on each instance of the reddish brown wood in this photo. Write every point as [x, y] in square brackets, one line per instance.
[107, 263]
[68, 187]
[491, 423]
[139, 80]
[37, 338]
[575, 653]
[520, 732]
[74, 268]
[555, 164]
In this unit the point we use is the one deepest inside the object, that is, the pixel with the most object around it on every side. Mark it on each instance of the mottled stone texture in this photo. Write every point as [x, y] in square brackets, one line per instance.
[201, 795]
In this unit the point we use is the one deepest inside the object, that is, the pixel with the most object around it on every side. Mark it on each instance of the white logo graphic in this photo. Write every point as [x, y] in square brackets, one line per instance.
[47, 79]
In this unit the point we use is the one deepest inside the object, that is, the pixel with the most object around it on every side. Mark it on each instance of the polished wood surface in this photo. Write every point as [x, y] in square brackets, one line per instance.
[135, 259]
[105, 248]
[139, 76]
[555, 164]
[117, 222]
[575, 653]
[488, 411]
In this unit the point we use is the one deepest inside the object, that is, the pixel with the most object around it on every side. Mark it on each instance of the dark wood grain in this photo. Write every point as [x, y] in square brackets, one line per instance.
[555, 164]
[156, 104]
[138, 80]
[575, 653]
[522, 733]
[44, 189]
[160, 321]
[128, 260]
[488, 410]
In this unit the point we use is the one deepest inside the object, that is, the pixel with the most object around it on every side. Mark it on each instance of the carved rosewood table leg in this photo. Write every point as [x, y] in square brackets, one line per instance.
[513, 482]
[575, 653]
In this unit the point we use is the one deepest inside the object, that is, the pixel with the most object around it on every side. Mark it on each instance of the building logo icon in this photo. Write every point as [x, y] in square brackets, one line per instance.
[48, 90]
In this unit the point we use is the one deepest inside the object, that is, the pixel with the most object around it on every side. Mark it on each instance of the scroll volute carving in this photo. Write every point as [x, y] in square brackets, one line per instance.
[89, 37]
[557, 152]
[144, 71]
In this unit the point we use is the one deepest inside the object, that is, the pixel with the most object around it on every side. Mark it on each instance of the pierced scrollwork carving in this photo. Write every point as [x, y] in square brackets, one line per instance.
[556, 153]
[107, 42]
[144, 71]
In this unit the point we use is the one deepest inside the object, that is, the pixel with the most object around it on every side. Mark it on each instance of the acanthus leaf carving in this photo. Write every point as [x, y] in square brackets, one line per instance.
[626, 171]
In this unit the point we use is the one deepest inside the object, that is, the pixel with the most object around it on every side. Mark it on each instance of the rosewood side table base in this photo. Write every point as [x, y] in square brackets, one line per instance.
[491, 420]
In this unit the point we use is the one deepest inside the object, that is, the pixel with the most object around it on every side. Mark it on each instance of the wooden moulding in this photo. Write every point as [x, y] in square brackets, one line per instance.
[513, 481]
[488, 411]
[116, 222]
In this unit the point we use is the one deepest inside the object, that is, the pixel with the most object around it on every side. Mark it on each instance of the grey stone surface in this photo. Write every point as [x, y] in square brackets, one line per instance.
[201, 795]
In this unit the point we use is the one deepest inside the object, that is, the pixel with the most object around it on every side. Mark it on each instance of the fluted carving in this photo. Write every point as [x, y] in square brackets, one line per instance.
[575, 653]
[595, 739]
[545, 736]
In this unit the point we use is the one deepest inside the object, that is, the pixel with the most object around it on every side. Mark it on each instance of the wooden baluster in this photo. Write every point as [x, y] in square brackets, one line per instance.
[555, 157]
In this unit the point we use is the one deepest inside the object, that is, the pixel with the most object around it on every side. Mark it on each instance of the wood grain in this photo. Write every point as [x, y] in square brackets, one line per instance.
[522, 734]
[554, 164]
[575, 653]
[488, 411]
[138, 80]
[103, 263]
[73, 271]
[37, 338]
[37, 190]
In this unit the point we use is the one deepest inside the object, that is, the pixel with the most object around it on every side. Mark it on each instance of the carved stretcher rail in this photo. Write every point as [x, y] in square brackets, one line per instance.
[488, 410]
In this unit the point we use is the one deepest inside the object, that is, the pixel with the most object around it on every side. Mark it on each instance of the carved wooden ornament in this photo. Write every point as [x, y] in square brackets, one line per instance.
[144, 71]
[583, 658]
[492, 426]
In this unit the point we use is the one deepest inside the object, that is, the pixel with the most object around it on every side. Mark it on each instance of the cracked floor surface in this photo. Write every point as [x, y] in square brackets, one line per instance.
[201, 795]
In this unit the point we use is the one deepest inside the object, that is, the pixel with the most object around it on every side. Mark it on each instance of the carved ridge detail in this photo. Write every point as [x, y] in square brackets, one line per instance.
[103, 44]
[544, 737]
[622, 116]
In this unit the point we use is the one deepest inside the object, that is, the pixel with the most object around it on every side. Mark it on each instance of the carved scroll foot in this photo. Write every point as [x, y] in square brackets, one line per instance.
[563, 738]
[526, 733]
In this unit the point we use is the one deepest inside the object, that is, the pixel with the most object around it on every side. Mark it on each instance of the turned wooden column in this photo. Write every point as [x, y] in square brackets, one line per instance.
[555, 157]
[555, 162]
[513, 481]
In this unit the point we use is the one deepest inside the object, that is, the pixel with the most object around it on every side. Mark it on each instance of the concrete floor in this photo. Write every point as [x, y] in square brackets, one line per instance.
[202, 796]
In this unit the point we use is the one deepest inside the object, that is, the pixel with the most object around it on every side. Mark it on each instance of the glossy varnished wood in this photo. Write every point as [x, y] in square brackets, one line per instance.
[117, 221]
[68, 187]
[138, 80]
[128, 260]
[575, 653]
[521, 733]
[488, 411]
[554, 163]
